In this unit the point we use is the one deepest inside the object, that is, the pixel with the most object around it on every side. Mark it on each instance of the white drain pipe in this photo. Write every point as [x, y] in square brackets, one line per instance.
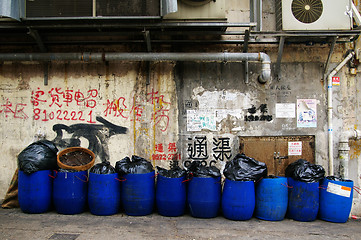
[330, 110]
[138, 56]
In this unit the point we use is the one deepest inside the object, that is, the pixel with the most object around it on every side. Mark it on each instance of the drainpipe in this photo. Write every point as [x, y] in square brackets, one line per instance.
[344, 149]
[90, 57]
[330, 112]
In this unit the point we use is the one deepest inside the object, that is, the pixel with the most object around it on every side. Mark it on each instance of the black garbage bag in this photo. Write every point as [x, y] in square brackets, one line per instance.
[335, 178]
[136, 165]
[243, 168]
[103, 168]
[38, 156]
[197, 169]
[175, 172]
[304, 171]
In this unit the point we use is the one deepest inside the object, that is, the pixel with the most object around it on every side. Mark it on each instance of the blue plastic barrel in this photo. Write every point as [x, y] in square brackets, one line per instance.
[335, 200]
[303, 200]
[138, 194]
[104, 194]
[204, 197]
[170, 196]
[238, 200]
[271, 199]
[35, 191]
[70, 190]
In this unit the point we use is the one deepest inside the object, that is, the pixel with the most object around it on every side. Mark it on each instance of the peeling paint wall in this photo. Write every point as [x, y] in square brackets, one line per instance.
[115, 109]
[175, 112]
[215, 96]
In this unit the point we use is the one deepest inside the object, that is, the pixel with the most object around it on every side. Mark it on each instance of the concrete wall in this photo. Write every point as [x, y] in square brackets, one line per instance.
[161, 103]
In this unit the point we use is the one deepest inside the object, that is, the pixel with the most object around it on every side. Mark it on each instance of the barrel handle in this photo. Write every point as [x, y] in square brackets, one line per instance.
[259, 180]
[287, 185]
[56, 174]
[87, 179]
[357, 189]
[189, 179]
[123, 180]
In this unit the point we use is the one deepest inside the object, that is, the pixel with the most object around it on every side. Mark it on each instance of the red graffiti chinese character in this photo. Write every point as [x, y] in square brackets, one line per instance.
[68, 96]
[172, 147]
[35, 97]
[159, 147]
[78, 97]
[91, 103]
[154, 96]
[160, 116]
[137, 111]
[116, 106]
[6, 108]
[55, 96]
[19, 111]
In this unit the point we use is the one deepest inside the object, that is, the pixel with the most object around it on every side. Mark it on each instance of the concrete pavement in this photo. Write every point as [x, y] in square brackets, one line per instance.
[15, 225]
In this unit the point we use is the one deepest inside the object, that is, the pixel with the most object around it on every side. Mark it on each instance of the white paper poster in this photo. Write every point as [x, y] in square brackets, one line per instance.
[201, 119]
[294, 148]
[306, 113]
[285, 110]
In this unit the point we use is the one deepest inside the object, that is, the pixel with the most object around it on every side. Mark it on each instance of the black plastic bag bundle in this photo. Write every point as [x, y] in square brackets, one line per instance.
[136, 165]
[38, 156]
[197, 169]
[103, 168]
[304, 171]
[339, 179]
[243, 168]
[175, 172]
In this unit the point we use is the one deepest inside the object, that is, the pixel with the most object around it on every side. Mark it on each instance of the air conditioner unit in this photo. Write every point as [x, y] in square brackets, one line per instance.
[199, 10]
[92, 8]
[307, 15]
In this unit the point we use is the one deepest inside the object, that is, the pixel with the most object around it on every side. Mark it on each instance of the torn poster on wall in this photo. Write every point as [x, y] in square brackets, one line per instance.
[201, 119]
[306, 113]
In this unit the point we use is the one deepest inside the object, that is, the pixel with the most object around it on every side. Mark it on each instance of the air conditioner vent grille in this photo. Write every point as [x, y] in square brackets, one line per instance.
[307, 11]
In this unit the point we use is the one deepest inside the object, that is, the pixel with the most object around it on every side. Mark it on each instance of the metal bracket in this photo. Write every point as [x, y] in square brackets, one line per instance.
[329, 58]
[279, 58]
[147, 40]
[245, 49]
[46, 73]
[35, 34]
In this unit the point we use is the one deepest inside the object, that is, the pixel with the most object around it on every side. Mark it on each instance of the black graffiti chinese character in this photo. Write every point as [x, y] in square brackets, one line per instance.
[198, 149]
[253, 116]
[221, 149]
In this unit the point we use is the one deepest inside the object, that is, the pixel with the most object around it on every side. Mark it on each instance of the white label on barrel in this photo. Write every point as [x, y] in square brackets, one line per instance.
[339, 189]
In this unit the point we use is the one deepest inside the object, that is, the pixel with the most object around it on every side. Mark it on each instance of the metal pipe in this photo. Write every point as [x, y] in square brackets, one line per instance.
[330, 110]
[89, 57]
[344, 149]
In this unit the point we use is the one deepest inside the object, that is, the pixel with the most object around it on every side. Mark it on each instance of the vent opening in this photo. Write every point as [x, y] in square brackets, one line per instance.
[307, 11]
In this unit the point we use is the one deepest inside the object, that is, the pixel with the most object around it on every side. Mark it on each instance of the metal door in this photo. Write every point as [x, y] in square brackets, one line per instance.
[278, 151]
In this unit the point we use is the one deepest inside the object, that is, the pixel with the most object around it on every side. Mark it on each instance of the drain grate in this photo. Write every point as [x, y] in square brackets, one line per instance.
[64, 236]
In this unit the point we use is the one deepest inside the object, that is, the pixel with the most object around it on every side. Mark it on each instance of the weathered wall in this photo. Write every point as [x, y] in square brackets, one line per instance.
[90, 103]
[161, 105]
